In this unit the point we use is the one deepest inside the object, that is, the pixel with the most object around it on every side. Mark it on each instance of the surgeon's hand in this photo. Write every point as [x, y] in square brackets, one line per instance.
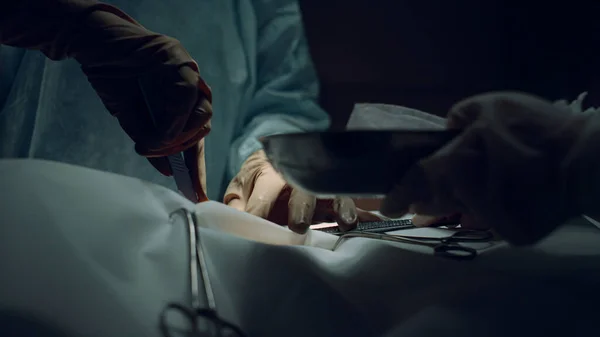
[508, 169]
[133, 70]
[259, 190]
[136, 72]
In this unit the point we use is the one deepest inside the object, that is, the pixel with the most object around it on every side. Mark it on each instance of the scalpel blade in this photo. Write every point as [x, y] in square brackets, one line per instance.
[183, 178]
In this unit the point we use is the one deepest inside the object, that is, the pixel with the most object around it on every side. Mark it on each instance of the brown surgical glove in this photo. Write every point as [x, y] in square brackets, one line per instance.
[123, 61]
[520, 166]
[259, 190]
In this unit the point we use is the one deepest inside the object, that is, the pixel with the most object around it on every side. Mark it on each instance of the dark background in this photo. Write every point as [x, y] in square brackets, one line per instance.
[427, 54]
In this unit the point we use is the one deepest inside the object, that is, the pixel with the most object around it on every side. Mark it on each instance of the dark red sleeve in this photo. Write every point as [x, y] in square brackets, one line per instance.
[45, 24]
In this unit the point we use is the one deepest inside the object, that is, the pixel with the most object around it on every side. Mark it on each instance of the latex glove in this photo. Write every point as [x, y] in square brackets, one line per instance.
[259, 190]
[115, 53]
[514, 167]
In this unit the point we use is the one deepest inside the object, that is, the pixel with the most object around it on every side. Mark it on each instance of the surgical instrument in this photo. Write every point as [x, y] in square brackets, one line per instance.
[181, 172]
[384, 226]
[196, 312]
[447, 246]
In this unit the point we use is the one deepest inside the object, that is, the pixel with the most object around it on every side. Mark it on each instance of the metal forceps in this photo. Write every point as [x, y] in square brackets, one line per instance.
[197, 314]
[448, 246]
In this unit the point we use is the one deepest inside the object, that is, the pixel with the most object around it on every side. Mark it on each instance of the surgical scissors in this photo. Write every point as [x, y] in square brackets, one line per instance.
[196, 312]
[447, 246]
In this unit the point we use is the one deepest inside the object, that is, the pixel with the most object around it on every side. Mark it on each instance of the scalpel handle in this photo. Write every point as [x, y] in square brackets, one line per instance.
[181, 172]
[183, 176]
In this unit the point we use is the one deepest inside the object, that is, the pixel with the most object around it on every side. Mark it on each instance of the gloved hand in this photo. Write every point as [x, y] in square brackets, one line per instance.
[259, 190]
[514, 167]
[122, 61]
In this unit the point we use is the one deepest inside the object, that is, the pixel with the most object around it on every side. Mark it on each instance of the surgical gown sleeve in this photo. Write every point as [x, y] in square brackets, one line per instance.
[46, 25]
[287, 88]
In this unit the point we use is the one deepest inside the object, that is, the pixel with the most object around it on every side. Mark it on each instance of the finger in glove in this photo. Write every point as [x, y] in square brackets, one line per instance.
[180, 99]
[264, 194]
[346, 214]
[301, 209]
[413, 187]
[180, 111]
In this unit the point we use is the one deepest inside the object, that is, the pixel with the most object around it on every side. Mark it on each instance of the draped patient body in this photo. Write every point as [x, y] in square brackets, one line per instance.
[105, 246]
